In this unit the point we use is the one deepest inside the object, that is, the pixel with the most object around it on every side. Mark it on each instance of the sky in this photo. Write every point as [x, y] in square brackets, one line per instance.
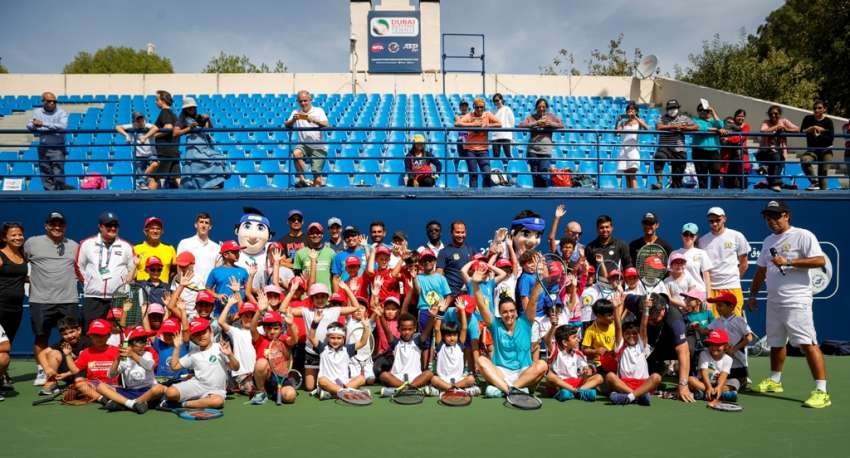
[312, 36]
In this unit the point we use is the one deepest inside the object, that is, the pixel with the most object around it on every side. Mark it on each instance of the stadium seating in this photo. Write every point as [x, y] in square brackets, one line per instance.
[356, 158]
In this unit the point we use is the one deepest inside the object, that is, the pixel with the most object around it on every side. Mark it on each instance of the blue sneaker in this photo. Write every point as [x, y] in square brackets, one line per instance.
[620, 399]
[587, 395]
[729, 396]
[493, 392]
[564, 395]
[643, 399]
[259, 399]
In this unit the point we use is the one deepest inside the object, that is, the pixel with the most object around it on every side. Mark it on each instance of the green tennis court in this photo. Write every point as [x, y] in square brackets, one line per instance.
[775, 426]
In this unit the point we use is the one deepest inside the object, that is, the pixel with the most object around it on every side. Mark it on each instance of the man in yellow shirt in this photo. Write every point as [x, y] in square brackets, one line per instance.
[153, 246]
[599, 336]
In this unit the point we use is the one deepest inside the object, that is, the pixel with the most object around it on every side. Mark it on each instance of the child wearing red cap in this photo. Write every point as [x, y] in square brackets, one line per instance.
[95, 361]
[239, 332]
[272, 322]
[135, 366]
[163, 345]
[209, 362]
[386, 329]
[633, 284]
[380, 257]
[631, 382]
[115, 316]
[714, 366]
[738, 331]
[154, 288]
[219, 279]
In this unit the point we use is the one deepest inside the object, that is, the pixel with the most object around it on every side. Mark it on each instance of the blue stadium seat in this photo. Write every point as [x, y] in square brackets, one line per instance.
[365, 180]
[281, 181]
[336, 180]
[257, 182]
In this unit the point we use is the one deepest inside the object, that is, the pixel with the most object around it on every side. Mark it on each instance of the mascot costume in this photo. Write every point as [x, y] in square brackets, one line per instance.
[526, 231]
[253, 233]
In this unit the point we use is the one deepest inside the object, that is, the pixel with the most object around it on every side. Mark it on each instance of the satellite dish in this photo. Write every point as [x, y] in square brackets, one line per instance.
[647, 67]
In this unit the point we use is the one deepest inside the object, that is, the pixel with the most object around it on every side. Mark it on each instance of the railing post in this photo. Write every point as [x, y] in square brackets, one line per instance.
[598, 162]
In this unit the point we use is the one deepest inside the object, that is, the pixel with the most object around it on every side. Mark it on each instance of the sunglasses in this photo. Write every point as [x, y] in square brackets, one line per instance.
[49, 101]
[155, 269]
[303, 100]
[688, 234]
[478, 106]
[111, 225]
[713, 220]
[138, 342]
[296, 219]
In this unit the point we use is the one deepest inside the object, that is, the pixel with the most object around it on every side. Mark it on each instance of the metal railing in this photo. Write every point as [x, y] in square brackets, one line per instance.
[589, 156]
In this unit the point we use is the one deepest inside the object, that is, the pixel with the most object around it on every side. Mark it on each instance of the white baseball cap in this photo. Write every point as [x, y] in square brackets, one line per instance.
[189, 102]
[716, 211]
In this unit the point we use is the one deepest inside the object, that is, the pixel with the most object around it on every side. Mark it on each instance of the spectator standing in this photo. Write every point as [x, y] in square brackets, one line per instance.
[629, 159]
[705, 149]
[728, 250]
[295, 239]
[649, 224]
[433, 233]
[204, 251]
[539, 151]
[154, 247]
[477, 147]
[502, 140]
[421, 167]
[205, 166]
[310, 144]
[145, 163]
[167, 149]
[47, 123]
[773, 147]
[820, 133]
[315, 259]
[735, 164]
[13, 276]
[53, 285]
[672, 145]
[335, 240]
[104, 263]
[606, 246]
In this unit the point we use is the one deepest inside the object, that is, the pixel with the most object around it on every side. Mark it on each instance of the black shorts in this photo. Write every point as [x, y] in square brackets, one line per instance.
[740, 373]
[271, 385]
[311, 361]
[169, 168]
[383, 363]
[43, 317]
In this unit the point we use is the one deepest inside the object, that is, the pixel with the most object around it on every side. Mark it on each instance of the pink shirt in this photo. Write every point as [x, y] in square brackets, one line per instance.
[779, 142]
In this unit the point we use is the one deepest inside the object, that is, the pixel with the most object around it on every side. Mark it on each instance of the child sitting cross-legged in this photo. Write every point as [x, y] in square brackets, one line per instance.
[450, 359]
[570, 376]
[714, 367]
[135, 366]
[335, 356]
[273, 328]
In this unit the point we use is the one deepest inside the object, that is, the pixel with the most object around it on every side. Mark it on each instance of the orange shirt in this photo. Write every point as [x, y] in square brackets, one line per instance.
[477, 140]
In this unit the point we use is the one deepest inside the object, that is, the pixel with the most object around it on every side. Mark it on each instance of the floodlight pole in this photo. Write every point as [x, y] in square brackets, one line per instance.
[471, 55]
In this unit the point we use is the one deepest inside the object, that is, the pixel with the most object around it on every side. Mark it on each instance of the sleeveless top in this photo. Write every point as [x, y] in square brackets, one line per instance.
[12, 278]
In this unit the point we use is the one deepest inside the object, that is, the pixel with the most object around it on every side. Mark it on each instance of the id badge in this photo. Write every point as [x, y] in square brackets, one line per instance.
[105, 273]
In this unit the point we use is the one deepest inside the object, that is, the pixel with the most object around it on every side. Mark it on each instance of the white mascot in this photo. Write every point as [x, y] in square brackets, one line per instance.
[253, 233]
[526, 231]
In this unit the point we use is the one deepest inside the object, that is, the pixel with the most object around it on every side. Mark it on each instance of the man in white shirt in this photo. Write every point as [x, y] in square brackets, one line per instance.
[309, 146]
[727, 249]
[785, 259]
[505, 115]
[204, 250]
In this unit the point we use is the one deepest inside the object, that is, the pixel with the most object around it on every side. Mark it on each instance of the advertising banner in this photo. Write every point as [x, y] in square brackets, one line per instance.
[394, 42]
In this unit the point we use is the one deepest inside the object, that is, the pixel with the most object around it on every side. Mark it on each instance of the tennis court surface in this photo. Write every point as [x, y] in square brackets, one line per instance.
[775, 426]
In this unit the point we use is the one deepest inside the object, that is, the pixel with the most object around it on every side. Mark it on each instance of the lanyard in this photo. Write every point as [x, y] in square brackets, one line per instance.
[101, 246]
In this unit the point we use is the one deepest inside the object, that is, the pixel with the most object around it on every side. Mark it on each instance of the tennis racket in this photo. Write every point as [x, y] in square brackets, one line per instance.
[354, 397]
[651, 265]
[363, 355]
[552, 274]
[455, 397]
[53, 397]
[407, 395]
[724, 406]
[606, 288]
[198, 414]
[278, 356]
[522, 400]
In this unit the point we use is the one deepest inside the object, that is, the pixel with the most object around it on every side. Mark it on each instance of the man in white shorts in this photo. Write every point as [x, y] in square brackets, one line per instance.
[727, 249]
[310, 144]
[785, 260]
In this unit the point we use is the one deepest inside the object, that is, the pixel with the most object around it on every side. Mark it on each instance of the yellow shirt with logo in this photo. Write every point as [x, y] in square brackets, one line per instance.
[164, 252]
[595, 337]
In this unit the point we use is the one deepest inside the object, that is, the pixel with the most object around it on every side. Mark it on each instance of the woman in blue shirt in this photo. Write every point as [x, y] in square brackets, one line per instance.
[705, 149]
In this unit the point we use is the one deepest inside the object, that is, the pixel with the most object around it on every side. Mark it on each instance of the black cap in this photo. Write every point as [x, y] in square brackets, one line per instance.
[649, 217]
[53, 216]
[349, 231]
[399, 235]
[137, 114]
[463, 102]
[672, 103]
[108, 217]
[776, 206]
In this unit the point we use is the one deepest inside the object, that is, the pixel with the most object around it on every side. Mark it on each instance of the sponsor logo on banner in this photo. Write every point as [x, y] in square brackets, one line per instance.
[393, 47]
[412, 47]
[377, 47]
[394, 27]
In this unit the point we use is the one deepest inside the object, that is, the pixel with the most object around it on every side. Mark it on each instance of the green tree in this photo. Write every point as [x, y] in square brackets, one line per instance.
[562, 64]
[120, 59]
[231, 63]
[3, 69]
[612, 62]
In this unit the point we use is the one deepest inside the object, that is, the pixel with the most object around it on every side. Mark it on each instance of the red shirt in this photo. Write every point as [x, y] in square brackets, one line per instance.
[389, 287]
[96, 363]
[262, 344]
[383, 341]
[299, 321]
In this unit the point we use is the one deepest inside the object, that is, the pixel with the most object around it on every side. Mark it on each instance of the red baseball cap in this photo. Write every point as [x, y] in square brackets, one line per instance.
[726, 297]
[614, 273]
[115, 313]
[339, 296]
[205, 296]
[476, 265]
[170, 326]
[382, 250]
[185, 258]
[229, 246]
[631, 272]
[655, 262]
[272, 317]
[717, 337]
[198, 324]
[152, 219]
[427, 253]
[153, 261]
[591, 270]
[352, 261]
[503, 263]
[247, 307]
[138, 332]
[99, 328]
[315, 226]
[556, 269]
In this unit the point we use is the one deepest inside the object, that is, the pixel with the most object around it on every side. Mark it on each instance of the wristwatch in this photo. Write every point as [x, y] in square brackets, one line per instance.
[683, 382]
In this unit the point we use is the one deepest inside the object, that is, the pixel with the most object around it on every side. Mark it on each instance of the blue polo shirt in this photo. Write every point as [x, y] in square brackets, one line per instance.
[523, 289]
[512, 351]
[451, 259]
[338, 264]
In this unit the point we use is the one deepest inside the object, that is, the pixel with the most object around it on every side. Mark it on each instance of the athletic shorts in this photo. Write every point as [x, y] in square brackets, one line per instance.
[131, 393]
[366, 368]
[576, 383]
[634, 383]
[424, 317]
[271, 384]
[792, 325]
[43, 317]
[316, 156]
[193, 389]
[739, 373]
[510, 376]
[410, 375]
[311, 361]
[383, 363]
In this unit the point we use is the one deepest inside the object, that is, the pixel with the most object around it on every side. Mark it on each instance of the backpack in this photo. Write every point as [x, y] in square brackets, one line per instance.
[93, 180]
[835, 347]
[562, 178]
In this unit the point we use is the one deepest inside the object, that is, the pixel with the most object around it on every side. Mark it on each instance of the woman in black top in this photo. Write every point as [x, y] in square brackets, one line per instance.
[820, 134]
[13, 275]
[422, 168]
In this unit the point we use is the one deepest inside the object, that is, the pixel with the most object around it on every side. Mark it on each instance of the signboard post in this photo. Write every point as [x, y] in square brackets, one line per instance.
[394, 42]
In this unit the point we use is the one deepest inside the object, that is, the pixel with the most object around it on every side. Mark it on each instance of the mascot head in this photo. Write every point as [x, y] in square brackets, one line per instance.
[253, 231]
[526, 231]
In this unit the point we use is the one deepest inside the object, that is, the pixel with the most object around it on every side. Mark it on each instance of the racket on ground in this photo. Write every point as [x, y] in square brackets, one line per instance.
[278, 356]
[407, 395]
[651, 265]
[198, 414]
[724, 406]
[522, 400]
[606, 288]
[295, 377]
[59, 395]
[354, 397]
[455, 397]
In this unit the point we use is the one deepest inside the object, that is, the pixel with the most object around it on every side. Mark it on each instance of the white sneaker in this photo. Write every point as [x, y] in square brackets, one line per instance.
[324, 395]
[387, 392]
[431, 391]
[813, 187]
[493, 392]
[473, 391]
[40, 376]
